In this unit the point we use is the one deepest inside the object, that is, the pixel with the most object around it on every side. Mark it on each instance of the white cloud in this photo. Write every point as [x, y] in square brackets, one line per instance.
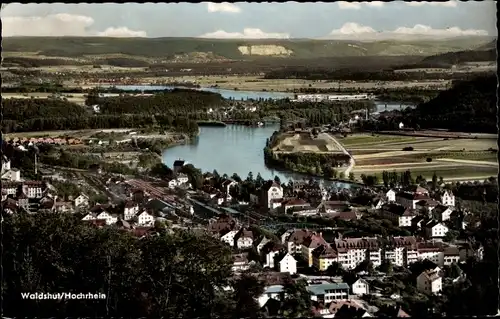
[122, 32]
[223, 7]
[61, 24]
[451, 4]
[420, 29]
[343, 5]
[248, 33]
[351, 28]
[357, 31]
[377, 4]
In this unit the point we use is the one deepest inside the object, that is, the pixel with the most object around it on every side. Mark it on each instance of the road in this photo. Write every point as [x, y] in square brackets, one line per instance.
[342, 148]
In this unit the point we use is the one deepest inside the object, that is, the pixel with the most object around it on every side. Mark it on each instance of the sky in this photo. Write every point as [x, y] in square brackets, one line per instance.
[243, 20]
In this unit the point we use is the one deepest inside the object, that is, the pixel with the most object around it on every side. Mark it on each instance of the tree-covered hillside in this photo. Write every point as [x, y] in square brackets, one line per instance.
[469, 106]
[230, 48]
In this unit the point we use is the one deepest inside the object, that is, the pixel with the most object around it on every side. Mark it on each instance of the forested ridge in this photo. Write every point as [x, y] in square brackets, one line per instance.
[469, 106]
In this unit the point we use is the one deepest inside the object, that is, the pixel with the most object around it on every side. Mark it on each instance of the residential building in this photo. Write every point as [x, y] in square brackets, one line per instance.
[240, 262]
[286, 263]
[346, 309]
[269, 253]
[451, 255]
[13, 175]
[429, 282]
[390, 196]
[448, 199]
[432, 251]
[10, 188]
[409, 200]
[352, 251]
[270, 192]
[243, 239]
[110, 219]
[330, 207]
[5, 164]
[226, 187]
[327, 292]
[310, 243]
[295, 240]
[427, 205]
[130, 211]
[182, 179]
[81, 201]
[33, 189]
[294, 204]
[398, 214]
[145, 219]
[401, 251]
[360, 287]
[323, 257]
[261, 243]
[435, 229]
[442, 213]
[228, 237]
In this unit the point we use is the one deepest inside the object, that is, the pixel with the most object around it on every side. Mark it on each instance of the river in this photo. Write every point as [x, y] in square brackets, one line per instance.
[235, 148]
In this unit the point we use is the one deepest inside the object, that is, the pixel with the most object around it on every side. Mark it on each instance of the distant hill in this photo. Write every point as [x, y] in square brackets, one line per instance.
[189, 49]
[469, 106]
[484, 53]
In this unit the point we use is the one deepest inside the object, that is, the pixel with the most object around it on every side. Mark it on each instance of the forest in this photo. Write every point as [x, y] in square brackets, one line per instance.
[469, 106]
[305, 73]
[26, 115]
[180, 274]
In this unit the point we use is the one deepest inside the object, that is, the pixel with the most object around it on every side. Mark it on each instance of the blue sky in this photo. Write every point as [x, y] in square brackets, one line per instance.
[253, 20]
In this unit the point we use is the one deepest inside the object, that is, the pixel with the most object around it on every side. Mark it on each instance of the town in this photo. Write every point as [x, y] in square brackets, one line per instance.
[249, 160]
[300, 229]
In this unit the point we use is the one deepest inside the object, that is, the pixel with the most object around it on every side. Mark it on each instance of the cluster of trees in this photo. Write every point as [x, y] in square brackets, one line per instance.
[175, 102]
[167, 275]
[358, 75]
[25, 115]
[309, 163]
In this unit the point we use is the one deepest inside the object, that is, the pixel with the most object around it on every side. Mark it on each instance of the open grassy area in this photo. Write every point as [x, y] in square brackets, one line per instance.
[303, 142]
[450, 157]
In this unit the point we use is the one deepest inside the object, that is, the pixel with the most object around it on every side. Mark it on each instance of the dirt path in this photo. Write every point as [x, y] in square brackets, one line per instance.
[481, 163]
[341, 147]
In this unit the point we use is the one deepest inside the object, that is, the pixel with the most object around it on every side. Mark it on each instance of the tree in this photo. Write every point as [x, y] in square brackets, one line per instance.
[296, 300]
[236, 178]
[259, 181]
[385, 178]
[246, 291]
[386, 267]
[335, 269]
[450, 236]
[365, 265]
[434, 181]
[250, 177]
[277, 179]
[351, 176]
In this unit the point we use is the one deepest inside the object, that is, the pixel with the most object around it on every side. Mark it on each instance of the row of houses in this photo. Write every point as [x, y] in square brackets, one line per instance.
[44, 140]
[350, 252]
